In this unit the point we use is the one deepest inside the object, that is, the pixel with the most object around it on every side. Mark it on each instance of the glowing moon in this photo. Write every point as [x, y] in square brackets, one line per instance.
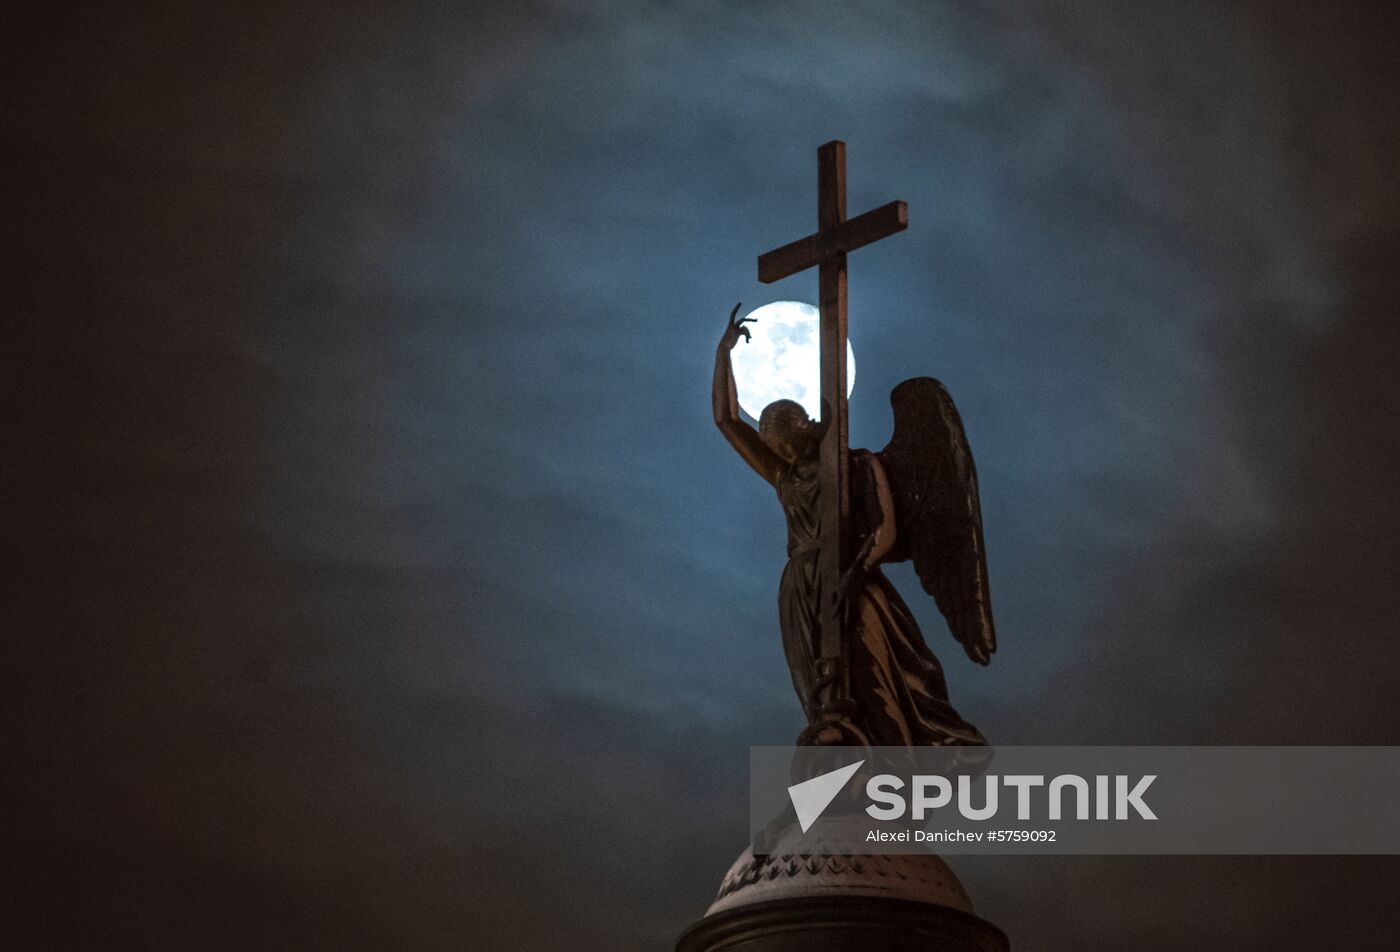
[783, 360]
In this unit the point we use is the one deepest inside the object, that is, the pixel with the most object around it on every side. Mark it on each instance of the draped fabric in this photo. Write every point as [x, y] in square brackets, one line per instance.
[896, 681]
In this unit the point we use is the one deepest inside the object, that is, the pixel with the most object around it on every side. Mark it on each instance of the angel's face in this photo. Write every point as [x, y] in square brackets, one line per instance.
[788, 431]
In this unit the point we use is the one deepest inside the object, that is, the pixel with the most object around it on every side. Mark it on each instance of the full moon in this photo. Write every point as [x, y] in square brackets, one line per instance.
[783, 361]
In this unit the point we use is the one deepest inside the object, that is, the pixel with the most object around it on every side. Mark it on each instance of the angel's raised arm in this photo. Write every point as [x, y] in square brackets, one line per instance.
[725, 397]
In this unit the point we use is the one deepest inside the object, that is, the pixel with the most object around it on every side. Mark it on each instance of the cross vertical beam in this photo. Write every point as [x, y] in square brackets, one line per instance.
[835, 453]
[826, 250]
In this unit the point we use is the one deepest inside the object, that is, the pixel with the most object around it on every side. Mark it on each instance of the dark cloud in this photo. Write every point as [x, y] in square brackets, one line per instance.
[382, 582]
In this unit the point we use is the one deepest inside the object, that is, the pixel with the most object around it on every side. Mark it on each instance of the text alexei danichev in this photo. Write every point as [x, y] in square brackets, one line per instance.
[960, 836]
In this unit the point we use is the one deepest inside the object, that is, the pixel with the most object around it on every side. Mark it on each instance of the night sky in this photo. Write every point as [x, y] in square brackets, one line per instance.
[380, 581]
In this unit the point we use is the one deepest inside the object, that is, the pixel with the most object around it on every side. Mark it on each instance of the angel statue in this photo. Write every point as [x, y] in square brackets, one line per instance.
[915, 499]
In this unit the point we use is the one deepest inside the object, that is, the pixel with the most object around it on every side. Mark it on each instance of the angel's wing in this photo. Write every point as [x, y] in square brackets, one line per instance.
[938, 516]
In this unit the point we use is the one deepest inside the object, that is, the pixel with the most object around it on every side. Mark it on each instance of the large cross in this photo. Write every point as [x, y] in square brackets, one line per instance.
[826, 250]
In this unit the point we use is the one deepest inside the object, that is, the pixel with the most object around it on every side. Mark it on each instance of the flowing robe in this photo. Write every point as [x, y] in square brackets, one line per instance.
[896, 682]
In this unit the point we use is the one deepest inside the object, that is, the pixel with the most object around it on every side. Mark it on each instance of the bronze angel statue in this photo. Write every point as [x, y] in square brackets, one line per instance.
[914, 500]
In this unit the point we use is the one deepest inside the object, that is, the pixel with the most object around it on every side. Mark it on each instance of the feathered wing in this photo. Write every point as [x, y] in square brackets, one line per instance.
[938, 515]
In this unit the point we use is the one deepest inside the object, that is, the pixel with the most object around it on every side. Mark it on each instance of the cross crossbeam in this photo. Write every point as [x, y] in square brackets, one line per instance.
[856, 233]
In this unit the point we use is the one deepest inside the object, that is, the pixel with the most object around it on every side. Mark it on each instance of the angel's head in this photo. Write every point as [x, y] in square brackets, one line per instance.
[789, 431]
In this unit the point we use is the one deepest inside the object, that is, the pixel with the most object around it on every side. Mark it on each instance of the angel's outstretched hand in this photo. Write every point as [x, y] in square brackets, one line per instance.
[735, 328]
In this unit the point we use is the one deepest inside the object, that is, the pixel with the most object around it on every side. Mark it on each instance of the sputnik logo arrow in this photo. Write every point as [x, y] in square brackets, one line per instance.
[810, 797]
